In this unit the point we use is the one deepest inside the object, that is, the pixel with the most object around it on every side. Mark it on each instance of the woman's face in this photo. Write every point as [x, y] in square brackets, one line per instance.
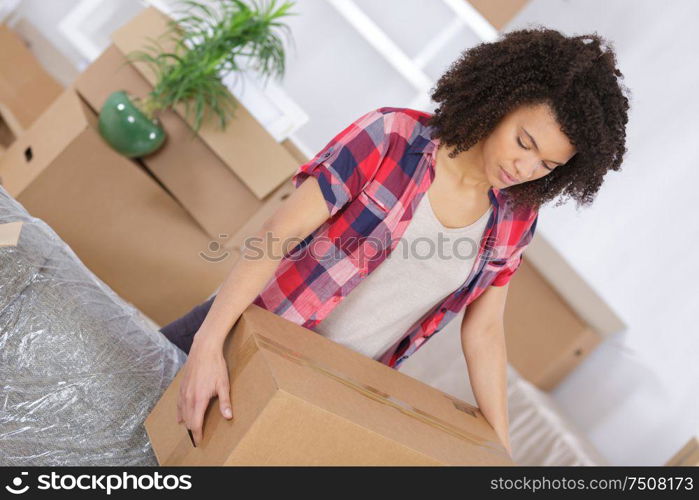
[526, 145]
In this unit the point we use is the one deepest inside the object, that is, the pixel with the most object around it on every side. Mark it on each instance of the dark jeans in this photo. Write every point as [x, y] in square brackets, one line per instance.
[181, 331]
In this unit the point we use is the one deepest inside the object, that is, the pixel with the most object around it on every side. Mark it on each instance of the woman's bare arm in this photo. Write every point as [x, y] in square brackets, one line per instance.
[483, 343]
[300, 214]
[205, 373]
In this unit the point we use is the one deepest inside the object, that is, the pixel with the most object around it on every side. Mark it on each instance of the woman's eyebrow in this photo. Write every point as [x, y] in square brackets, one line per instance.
[537, 147]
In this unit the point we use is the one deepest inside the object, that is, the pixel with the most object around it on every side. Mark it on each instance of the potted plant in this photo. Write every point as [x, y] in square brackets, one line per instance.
[206, 42]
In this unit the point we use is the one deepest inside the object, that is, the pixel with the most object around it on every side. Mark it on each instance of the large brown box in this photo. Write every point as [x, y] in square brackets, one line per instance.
[301, 399]
[222, 178]
[112, 213]
[546, 339]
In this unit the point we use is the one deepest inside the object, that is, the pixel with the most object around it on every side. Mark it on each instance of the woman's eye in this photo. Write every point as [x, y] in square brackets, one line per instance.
[519, 141]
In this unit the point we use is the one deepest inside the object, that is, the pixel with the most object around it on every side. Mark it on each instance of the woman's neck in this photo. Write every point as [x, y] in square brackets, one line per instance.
[466, 169]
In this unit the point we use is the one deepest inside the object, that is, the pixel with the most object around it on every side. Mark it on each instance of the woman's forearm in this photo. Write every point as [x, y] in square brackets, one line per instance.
[301, 214]
[486, 356]
[247, 278]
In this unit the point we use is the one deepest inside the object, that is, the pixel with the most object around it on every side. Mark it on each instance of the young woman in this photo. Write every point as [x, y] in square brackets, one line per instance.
[523, 120]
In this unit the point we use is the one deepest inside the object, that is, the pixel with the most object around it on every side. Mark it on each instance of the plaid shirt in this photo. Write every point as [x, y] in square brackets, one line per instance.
[372, 176]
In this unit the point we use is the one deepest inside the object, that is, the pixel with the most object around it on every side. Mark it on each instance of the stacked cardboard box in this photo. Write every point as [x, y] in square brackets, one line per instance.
[162, 232]
[26, 89]
[301, 399]
[222, 178]
[119, 221]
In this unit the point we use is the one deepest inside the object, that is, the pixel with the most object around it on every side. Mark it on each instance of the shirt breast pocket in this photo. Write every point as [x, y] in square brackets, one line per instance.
[373, 203]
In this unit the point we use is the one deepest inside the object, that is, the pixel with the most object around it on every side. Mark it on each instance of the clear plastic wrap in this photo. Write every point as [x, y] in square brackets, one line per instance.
[80, 368]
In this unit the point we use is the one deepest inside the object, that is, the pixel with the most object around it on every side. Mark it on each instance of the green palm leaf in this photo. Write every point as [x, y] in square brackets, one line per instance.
[208, 43]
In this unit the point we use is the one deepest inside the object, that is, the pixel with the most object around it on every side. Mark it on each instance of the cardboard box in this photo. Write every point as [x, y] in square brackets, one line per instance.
[544, 351]
[26, 89]
[221, 178]
[499, 12]
[301, 399]
[9, 128]
[112, 213]
[687, 456]
[245, 146]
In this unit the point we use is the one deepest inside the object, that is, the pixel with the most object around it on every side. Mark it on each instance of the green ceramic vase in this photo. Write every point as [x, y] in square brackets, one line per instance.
[127, 129]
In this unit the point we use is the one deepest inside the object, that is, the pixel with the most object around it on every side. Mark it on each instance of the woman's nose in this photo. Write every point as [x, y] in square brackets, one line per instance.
[524, 169]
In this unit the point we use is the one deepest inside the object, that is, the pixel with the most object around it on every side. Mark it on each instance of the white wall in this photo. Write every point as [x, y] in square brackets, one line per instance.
[637, 396]
[46, 16]
[336, 75]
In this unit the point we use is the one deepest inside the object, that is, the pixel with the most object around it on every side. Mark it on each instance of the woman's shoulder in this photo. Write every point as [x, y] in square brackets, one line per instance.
[408, 123]
[414, 115]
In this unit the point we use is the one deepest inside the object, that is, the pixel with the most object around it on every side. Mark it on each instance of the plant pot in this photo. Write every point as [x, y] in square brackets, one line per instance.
[127, 129]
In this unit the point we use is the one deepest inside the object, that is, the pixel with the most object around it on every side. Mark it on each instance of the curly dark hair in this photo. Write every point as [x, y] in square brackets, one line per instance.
[576, 76]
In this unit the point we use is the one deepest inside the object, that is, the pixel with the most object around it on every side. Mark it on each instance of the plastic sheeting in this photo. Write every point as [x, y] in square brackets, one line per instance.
[80, 368]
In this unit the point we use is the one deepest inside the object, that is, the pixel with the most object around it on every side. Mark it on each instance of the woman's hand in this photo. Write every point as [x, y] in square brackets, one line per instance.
[205, 375]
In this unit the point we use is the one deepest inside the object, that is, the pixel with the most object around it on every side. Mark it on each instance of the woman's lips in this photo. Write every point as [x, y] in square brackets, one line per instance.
[506, 178]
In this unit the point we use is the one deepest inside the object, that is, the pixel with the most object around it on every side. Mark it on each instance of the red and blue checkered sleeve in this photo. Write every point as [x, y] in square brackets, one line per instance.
[515, 260]
[349, 161]
[503, 278]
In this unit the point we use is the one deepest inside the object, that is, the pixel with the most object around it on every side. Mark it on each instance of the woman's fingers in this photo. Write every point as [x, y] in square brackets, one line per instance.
[188, 405]
[197, 421]
[180, 400]
[179, 409]
[181, 413]
[224, 397]
[205, 377]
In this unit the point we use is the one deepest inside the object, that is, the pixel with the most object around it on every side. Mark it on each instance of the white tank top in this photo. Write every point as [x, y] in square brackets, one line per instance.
[415, 276]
